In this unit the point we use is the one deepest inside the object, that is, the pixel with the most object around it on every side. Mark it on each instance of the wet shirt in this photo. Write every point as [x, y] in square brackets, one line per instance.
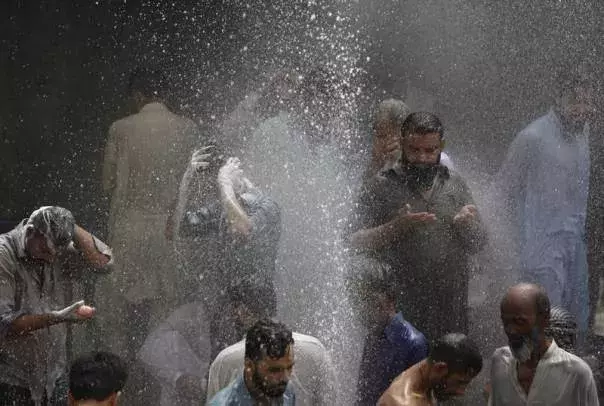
[543, 187]
[252, 258]
[561, 379]
[386, 356]
[179, 346]
[36, 360]
[236, 394]
[431, 261]
[313, 378]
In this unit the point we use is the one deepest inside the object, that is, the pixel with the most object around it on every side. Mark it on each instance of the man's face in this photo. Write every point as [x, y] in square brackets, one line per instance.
[422, 149]
[577, 108]
[451, 386]
[386, 140]
[271, 375]
[522, 328]
[375, 309]
[40, 247]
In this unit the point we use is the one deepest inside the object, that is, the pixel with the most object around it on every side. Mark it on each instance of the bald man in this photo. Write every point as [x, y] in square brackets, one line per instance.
[533, 369]
[453, 362]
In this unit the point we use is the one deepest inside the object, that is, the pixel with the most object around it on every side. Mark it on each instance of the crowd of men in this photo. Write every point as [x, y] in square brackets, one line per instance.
[187, 296]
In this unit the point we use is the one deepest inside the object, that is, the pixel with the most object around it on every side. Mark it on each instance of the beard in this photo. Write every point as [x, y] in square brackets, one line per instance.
[269, 390]
[422, 175]
[440, 392]
[522, 348]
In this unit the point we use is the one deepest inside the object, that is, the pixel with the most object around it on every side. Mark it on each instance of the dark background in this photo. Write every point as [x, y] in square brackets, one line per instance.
[488, 66]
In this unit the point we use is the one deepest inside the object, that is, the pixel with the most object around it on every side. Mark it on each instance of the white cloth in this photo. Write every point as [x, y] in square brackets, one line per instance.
[313, 377]
[561, 379]
[179, 346]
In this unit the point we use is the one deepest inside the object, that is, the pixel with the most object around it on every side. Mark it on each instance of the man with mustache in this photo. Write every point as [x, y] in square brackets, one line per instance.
[269, 361]
[419, 217]
[453, 362]
[533, 369]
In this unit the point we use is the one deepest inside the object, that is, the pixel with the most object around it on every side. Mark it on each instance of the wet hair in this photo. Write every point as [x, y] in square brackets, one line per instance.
[391, 110]
[258, 298]
[370, 275]
[56, 223]
[562, 328]
[459, 353]
[422, 123]
[267, 338]
[151, 83]
[97, 376]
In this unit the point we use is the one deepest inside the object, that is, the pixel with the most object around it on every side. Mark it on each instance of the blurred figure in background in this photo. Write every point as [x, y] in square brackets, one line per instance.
[97, 379]
[543, 189]
[392, 344]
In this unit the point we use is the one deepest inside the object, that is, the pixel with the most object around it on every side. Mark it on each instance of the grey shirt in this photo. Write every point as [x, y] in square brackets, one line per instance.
[35, 360]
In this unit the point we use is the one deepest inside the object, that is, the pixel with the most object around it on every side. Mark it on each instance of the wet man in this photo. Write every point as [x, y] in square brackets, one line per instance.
[143, 166]
[453, 362]
[389, 117]
[36, 258]
[543, 187]
[419, 217]
[97, 379]
[392, 344]
[269, 361]
[178, 352]
[533, 369]
[232, 231]
[313, 380]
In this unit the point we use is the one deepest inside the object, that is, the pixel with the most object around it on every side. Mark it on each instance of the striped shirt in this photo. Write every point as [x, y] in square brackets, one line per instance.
[561, 379]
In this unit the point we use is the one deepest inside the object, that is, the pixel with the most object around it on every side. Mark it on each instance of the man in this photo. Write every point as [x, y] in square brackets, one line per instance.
[232, 229]
[313, 379]
[178, 352]
[453, 362]
[419, 217]
[533, 369]
[269, 360]
[392, 344]
[386, 146]
[543, 185]
[35, 258]
[96, 380]
[142, 170]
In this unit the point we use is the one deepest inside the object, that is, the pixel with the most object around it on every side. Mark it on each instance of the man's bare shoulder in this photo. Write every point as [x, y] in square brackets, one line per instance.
[404, 399]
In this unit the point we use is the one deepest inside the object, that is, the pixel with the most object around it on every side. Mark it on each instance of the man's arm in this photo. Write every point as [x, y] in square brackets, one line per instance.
[87, 251]
[587, 388]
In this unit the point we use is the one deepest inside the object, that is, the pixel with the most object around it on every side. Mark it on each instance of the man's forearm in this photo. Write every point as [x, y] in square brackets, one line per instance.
[31, 322]
[84, 242]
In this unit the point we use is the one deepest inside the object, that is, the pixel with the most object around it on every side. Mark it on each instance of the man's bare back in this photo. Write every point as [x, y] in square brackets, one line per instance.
[409, 389]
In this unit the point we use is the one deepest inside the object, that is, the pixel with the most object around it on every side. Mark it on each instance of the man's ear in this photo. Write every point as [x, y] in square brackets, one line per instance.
[248, 364]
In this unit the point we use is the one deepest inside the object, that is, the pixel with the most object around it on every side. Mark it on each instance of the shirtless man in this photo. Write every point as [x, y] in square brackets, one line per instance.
[453, 362]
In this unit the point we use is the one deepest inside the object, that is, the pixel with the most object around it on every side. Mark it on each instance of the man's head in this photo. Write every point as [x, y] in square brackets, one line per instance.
[49, 231]
[387, 123]
[96, 379]
[146, 86]
[248, 302]
[269, 358]
[575, 98]
[372, 291]
[562, 328]
[525, 313]
[454, 361]
[422, 143]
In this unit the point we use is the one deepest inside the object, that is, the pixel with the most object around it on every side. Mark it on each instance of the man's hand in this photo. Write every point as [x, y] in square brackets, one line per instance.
[466, 215]
[406, 218]
[78, 311]
[201, 158]
[231, 175]
[189, 386]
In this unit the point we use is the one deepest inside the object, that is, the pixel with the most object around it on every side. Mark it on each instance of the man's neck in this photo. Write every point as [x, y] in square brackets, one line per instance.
[534, 361]
[259, 397]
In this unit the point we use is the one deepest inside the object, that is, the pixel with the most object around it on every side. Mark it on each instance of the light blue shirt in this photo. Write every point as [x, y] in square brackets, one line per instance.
[544, 185]
[236, 394]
